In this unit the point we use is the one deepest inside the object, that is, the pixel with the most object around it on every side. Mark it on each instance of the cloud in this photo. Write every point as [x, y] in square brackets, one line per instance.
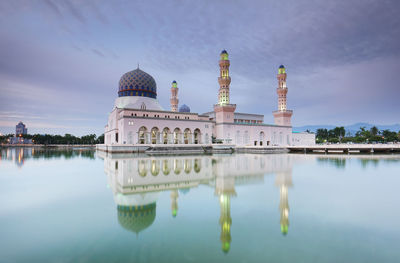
[70, 60]
[53, 6]
[98, 52]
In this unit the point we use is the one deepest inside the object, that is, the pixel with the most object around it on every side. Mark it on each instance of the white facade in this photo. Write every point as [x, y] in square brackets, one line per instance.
[303, 138]
[138, 118]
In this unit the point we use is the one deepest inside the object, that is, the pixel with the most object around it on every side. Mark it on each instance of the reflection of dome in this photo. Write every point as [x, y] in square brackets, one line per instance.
[284, 229]
[136, 218]
[225, 247]
[184, 108]
[184, 190]
[137, 83]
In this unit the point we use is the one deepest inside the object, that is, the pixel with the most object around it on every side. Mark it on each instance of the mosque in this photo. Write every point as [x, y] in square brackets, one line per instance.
[138, 118]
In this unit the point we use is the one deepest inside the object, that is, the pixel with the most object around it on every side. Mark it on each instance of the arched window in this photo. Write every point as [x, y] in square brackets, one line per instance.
[262, 136]
[142, 135]
[154, 135]
[143, 106]
[177, 136]
[197, 136]
[187, 136]
[165, 135]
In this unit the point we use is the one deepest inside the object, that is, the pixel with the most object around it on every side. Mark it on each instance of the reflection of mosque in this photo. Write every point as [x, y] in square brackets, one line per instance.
[136, 182]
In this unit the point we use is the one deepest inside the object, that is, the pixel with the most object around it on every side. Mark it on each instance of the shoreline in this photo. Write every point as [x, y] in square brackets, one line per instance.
[49, 145]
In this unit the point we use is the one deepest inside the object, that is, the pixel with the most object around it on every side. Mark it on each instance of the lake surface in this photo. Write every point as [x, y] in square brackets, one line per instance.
[83, 206]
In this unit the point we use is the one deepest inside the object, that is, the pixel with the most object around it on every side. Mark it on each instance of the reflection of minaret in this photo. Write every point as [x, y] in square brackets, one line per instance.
[284, 181]
[174, 202]
[225, 188]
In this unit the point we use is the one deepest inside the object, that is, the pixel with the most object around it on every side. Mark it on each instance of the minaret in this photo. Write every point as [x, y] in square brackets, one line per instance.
[284, 181]
[174, 202]
[224, 80]
[174, 96]
[224, 111]
[282, 116]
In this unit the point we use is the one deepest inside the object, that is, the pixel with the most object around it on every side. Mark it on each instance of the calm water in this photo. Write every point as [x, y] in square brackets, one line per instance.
[82, 206]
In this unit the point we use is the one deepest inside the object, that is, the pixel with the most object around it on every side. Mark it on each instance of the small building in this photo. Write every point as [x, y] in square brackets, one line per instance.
[20, 129]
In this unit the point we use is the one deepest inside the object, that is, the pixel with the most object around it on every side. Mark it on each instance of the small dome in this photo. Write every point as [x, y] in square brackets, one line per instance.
[281, 69]
[137, 83]
[184, 108]
[174, 84]
[136, 218]
[173, 81]
[224, 55]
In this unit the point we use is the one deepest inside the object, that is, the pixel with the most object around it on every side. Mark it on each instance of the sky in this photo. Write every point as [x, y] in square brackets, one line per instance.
[61, 61]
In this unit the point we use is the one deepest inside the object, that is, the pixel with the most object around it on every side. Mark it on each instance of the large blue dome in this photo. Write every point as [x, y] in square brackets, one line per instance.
[137, 83]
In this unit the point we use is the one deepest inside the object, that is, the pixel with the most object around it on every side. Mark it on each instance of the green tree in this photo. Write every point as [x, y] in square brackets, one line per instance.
[374, 131]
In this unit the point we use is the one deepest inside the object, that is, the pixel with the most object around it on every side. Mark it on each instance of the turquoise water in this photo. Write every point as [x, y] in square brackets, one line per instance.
[83, 206]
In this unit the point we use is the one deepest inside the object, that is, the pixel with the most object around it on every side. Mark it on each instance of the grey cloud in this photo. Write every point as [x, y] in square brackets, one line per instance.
[53, 6]
[98, 52]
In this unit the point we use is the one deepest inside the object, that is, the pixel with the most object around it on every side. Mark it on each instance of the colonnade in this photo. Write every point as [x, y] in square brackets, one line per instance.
[166, 136]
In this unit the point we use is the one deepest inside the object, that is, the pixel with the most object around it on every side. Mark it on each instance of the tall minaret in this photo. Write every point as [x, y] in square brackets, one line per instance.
[224, 111]
[174, 96]
[282, 116]
[224, 80]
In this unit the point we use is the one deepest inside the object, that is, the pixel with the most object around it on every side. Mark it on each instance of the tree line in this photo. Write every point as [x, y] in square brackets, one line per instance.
[363, 135]
[58, 139]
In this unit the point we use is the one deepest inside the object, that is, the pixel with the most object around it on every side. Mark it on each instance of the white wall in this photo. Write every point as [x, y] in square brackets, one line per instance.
[303, 138]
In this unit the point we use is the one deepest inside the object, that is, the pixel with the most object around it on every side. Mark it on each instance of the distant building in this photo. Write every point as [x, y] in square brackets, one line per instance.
[20, 129]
